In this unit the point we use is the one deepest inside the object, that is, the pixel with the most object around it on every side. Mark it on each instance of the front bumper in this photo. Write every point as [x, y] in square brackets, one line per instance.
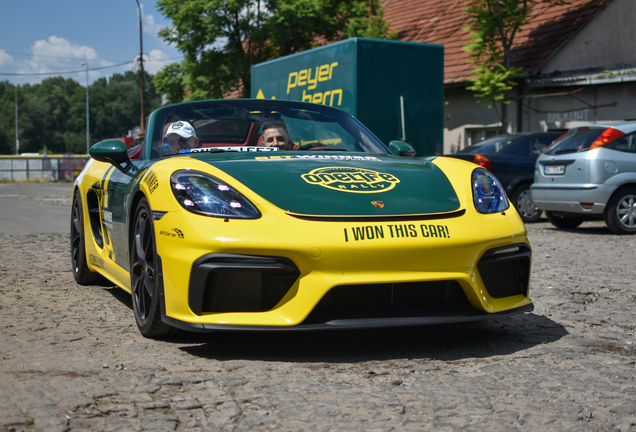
[568, 197]
[355, 323]
[349, 283]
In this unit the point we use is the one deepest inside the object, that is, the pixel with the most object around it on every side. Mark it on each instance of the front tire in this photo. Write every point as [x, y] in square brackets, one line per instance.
[620, 214]
[522, 200]
[564, 221]
[144, 274]
[82, 274]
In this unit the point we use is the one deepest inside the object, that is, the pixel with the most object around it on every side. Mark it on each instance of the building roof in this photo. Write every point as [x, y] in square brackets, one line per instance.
[442, 22]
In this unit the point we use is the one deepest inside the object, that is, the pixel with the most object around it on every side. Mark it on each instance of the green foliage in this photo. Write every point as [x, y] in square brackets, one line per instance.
[491, 83]
[370, 27]
[222, 39]
[493, 27]
[52, 114]
[171, 81]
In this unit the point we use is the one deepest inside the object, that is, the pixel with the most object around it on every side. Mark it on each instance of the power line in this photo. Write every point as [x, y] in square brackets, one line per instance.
[68, 72]
[44, 56]
[84, 59]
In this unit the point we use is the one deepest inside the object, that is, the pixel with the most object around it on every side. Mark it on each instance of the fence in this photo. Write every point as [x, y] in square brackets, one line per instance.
[51, 168]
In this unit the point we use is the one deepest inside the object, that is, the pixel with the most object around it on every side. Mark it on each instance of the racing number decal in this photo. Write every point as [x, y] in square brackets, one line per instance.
[351, 179]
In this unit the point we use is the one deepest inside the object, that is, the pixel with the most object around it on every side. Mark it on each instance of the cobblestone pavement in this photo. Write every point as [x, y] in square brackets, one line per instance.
[71, 358]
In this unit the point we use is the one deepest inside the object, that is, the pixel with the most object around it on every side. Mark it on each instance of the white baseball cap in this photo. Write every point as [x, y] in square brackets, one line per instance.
[182, 128]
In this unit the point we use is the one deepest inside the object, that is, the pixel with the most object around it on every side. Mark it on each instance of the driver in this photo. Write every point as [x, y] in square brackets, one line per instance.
[276, 135]
[180, 136]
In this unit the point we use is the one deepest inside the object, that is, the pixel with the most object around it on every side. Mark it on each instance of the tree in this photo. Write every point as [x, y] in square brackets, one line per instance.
[115, 104]
[48, 116]
[493, 27]
[222, 39]
[52, 114]
[7, 114]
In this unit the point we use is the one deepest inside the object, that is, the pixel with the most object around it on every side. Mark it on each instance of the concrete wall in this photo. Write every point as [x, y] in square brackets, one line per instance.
[579, 105]
[608, 41]
[467, 122]
[543, 109]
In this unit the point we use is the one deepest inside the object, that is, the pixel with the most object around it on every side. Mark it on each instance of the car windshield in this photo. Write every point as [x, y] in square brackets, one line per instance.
[575, 140]
[491, 145]
[238, 125]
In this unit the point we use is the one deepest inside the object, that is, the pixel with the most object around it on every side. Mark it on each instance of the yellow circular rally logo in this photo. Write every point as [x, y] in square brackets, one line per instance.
[350, 179]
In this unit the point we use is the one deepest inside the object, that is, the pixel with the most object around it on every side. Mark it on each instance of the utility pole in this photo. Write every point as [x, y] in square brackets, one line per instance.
[17, 141]
[87, 122]
[141, 68]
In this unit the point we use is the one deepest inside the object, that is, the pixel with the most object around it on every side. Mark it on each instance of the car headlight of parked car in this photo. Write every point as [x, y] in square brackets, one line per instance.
[488, 194]
[203, 194]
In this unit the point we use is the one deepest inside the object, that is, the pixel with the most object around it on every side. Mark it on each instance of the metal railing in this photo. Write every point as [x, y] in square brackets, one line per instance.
[46, 168]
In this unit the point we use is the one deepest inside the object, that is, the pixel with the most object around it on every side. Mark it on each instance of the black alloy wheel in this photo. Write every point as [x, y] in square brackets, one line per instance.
[522, 200]
[81, 272]
[144, 275]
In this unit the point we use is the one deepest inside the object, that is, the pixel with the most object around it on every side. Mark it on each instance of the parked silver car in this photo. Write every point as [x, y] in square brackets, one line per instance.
[589, 173]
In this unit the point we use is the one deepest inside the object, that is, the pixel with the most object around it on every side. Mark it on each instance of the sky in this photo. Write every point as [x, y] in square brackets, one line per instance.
[39, 37]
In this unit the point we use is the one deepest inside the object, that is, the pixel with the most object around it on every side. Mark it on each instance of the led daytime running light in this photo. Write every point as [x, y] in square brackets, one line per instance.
[205, 195]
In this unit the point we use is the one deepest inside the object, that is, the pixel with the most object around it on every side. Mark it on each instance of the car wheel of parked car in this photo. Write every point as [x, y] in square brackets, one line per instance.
[144, 275]
[81, 272]
[522, 200]
[564, 220]
[620, 213]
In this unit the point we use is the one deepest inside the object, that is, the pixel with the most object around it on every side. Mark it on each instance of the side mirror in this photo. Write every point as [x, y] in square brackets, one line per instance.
[111, 151]
[400, 148]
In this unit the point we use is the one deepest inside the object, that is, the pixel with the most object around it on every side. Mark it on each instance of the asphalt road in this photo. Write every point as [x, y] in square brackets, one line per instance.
[71, 358]
[35, 208]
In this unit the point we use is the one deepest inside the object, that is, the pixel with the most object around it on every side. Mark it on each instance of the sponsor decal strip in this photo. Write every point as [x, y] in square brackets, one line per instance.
[379, 232]
[230, 149]
[321, 157]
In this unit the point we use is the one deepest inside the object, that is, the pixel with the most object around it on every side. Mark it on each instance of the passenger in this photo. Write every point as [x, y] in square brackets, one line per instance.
[181, 136]
[276, 135]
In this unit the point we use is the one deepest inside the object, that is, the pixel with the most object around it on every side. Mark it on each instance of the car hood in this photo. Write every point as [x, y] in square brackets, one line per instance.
[338, 185]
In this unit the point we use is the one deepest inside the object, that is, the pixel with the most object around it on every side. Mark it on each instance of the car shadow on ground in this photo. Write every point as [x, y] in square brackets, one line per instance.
[449, 342]
[586, 230]
[121, 295]
[444, 342]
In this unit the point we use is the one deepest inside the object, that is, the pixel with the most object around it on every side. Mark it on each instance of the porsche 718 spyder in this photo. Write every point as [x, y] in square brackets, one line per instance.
[341, 232]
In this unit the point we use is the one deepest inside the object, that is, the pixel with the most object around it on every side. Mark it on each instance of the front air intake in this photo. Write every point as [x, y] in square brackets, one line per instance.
[391, 300]
[505, 271]
[239, 283]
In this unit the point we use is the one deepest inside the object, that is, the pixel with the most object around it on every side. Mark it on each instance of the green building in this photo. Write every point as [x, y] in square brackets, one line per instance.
[394, 88]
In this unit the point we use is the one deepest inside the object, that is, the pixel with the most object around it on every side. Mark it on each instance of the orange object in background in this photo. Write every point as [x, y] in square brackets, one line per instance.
[482, 161]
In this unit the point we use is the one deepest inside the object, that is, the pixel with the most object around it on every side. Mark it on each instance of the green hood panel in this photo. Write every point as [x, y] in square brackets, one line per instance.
[338, 185]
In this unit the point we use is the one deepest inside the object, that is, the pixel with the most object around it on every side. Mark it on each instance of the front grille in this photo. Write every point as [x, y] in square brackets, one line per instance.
[239, 283]
[505, 271]
[410, 299]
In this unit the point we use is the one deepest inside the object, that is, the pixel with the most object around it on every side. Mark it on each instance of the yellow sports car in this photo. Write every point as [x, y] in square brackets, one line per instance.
[280, 215]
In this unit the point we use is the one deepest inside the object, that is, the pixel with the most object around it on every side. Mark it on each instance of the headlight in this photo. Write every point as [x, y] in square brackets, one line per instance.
[488, 194]
[203, 194]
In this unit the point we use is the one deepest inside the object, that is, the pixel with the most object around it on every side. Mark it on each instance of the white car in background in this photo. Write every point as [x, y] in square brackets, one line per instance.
[589, 173]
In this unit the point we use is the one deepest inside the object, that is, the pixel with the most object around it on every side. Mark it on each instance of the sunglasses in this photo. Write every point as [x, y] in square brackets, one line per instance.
[278, 138]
